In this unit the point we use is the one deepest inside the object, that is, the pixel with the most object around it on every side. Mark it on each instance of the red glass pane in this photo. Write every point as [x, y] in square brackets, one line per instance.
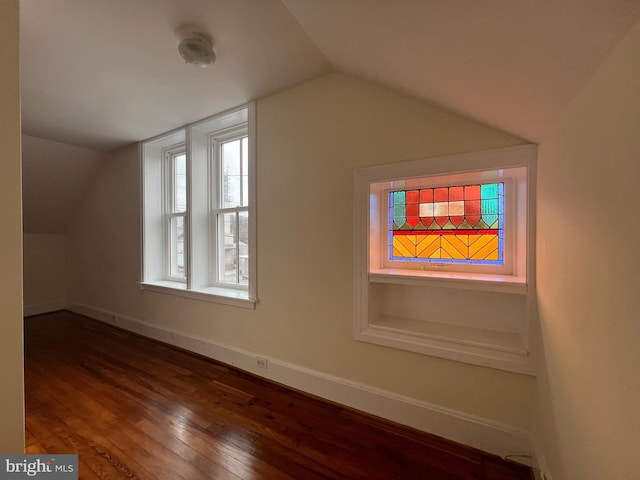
[412, 196]
[472, 219]
[456, 193]
[413, 221]
[441, 195]
[472, 207]
[426, 196]
[426, 221]
[442, 221]
[472, 192]
[456, 220]
[413, 210]
[472, 210]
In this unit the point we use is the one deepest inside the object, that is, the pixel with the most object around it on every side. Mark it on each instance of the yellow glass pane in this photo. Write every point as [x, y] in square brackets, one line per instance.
[477, 242]
[484, 247]
[456, 246]
[427, 245]
[405, 244]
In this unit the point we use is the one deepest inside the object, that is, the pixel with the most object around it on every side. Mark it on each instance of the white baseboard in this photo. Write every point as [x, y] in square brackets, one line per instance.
[471, 430]
[40, 308]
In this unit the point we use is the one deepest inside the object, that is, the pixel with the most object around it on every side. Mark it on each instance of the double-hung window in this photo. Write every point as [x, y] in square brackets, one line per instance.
[198, 207]
[230, 208]
[175, 218]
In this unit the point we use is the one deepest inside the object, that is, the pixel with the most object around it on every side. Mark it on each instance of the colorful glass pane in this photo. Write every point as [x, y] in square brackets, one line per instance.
[458, 224]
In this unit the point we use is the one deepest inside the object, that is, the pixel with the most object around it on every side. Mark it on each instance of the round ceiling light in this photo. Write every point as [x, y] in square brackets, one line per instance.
[196, 49]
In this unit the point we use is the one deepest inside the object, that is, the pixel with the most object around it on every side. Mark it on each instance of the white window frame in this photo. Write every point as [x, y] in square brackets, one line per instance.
[169, 260]
[218, 211]
[511, 178]
[503, 347]
[200, 245]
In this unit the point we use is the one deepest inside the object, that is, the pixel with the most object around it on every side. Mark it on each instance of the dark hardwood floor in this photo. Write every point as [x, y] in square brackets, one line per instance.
[134, 408]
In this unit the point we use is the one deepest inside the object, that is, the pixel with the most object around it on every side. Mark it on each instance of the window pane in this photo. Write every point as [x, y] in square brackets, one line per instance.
[177, 268]
[231, 174]
[461, 224]
[180, 183]
[243, 250]
[228, 268]
[245, 171]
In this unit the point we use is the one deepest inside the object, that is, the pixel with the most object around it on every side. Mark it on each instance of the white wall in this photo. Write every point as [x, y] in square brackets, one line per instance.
[587, 412]
[56, 177]
[11, 369]
[103, 241]
[45, 270]
[310, 139]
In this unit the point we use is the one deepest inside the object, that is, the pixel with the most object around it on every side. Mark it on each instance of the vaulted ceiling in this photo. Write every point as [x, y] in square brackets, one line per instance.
[104, 73]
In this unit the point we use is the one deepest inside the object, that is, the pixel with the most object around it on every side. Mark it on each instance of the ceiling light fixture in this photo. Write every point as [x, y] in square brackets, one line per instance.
[196, 49]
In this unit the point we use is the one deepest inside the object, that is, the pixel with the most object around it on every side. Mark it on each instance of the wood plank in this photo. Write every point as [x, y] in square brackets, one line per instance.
[135, 408]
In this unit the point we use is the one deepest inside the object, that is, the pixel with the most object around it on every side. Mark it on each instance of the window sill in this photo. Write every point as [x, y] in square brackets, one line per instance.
[464, 281]
[225, 296]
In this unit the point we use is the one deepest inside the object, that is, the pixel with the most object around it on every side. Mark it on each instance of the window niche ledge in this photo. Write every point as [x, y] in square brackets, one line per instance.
[480, 315]
[465, 281]
[225, 296]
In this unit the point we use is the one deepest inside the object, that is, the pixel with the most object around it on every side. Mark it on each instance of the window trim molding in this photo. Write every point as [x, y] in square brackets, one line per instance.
[466, 344]
[151, 278]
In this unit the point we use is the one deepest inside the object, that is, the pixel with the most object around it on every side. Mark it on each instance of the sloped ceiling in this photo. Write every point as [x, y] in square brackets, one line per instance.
[512, 64]
[101, 74]
[104, 73]
[56, 177]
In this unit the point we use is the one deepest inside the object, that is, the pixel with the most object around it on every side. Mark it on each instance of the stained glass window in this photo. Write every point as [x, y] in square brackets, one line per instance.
[456, 224]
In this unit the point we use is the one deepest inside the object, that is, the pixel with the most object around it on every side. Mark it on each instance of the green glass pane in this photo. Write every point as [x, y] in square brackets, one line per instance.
[465, 225]
[489, 207]
[490, 190]
[449, 226]
[399, 216]
[398, 198]
[419, 226]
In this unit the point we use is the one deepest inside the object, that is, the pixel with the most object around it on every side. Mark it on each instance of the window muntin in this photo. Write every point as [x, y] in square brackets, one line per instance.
[462, 224]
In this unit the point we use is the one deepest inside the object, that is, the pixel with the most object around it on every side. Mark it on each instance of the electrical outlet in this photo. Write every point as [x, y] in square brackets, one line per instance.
[261, 362]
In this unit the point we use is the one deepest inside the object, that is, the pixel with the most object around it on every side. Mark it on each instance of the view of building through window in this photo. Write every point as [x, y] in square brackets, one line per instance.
[177, 214]
[234, 161]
